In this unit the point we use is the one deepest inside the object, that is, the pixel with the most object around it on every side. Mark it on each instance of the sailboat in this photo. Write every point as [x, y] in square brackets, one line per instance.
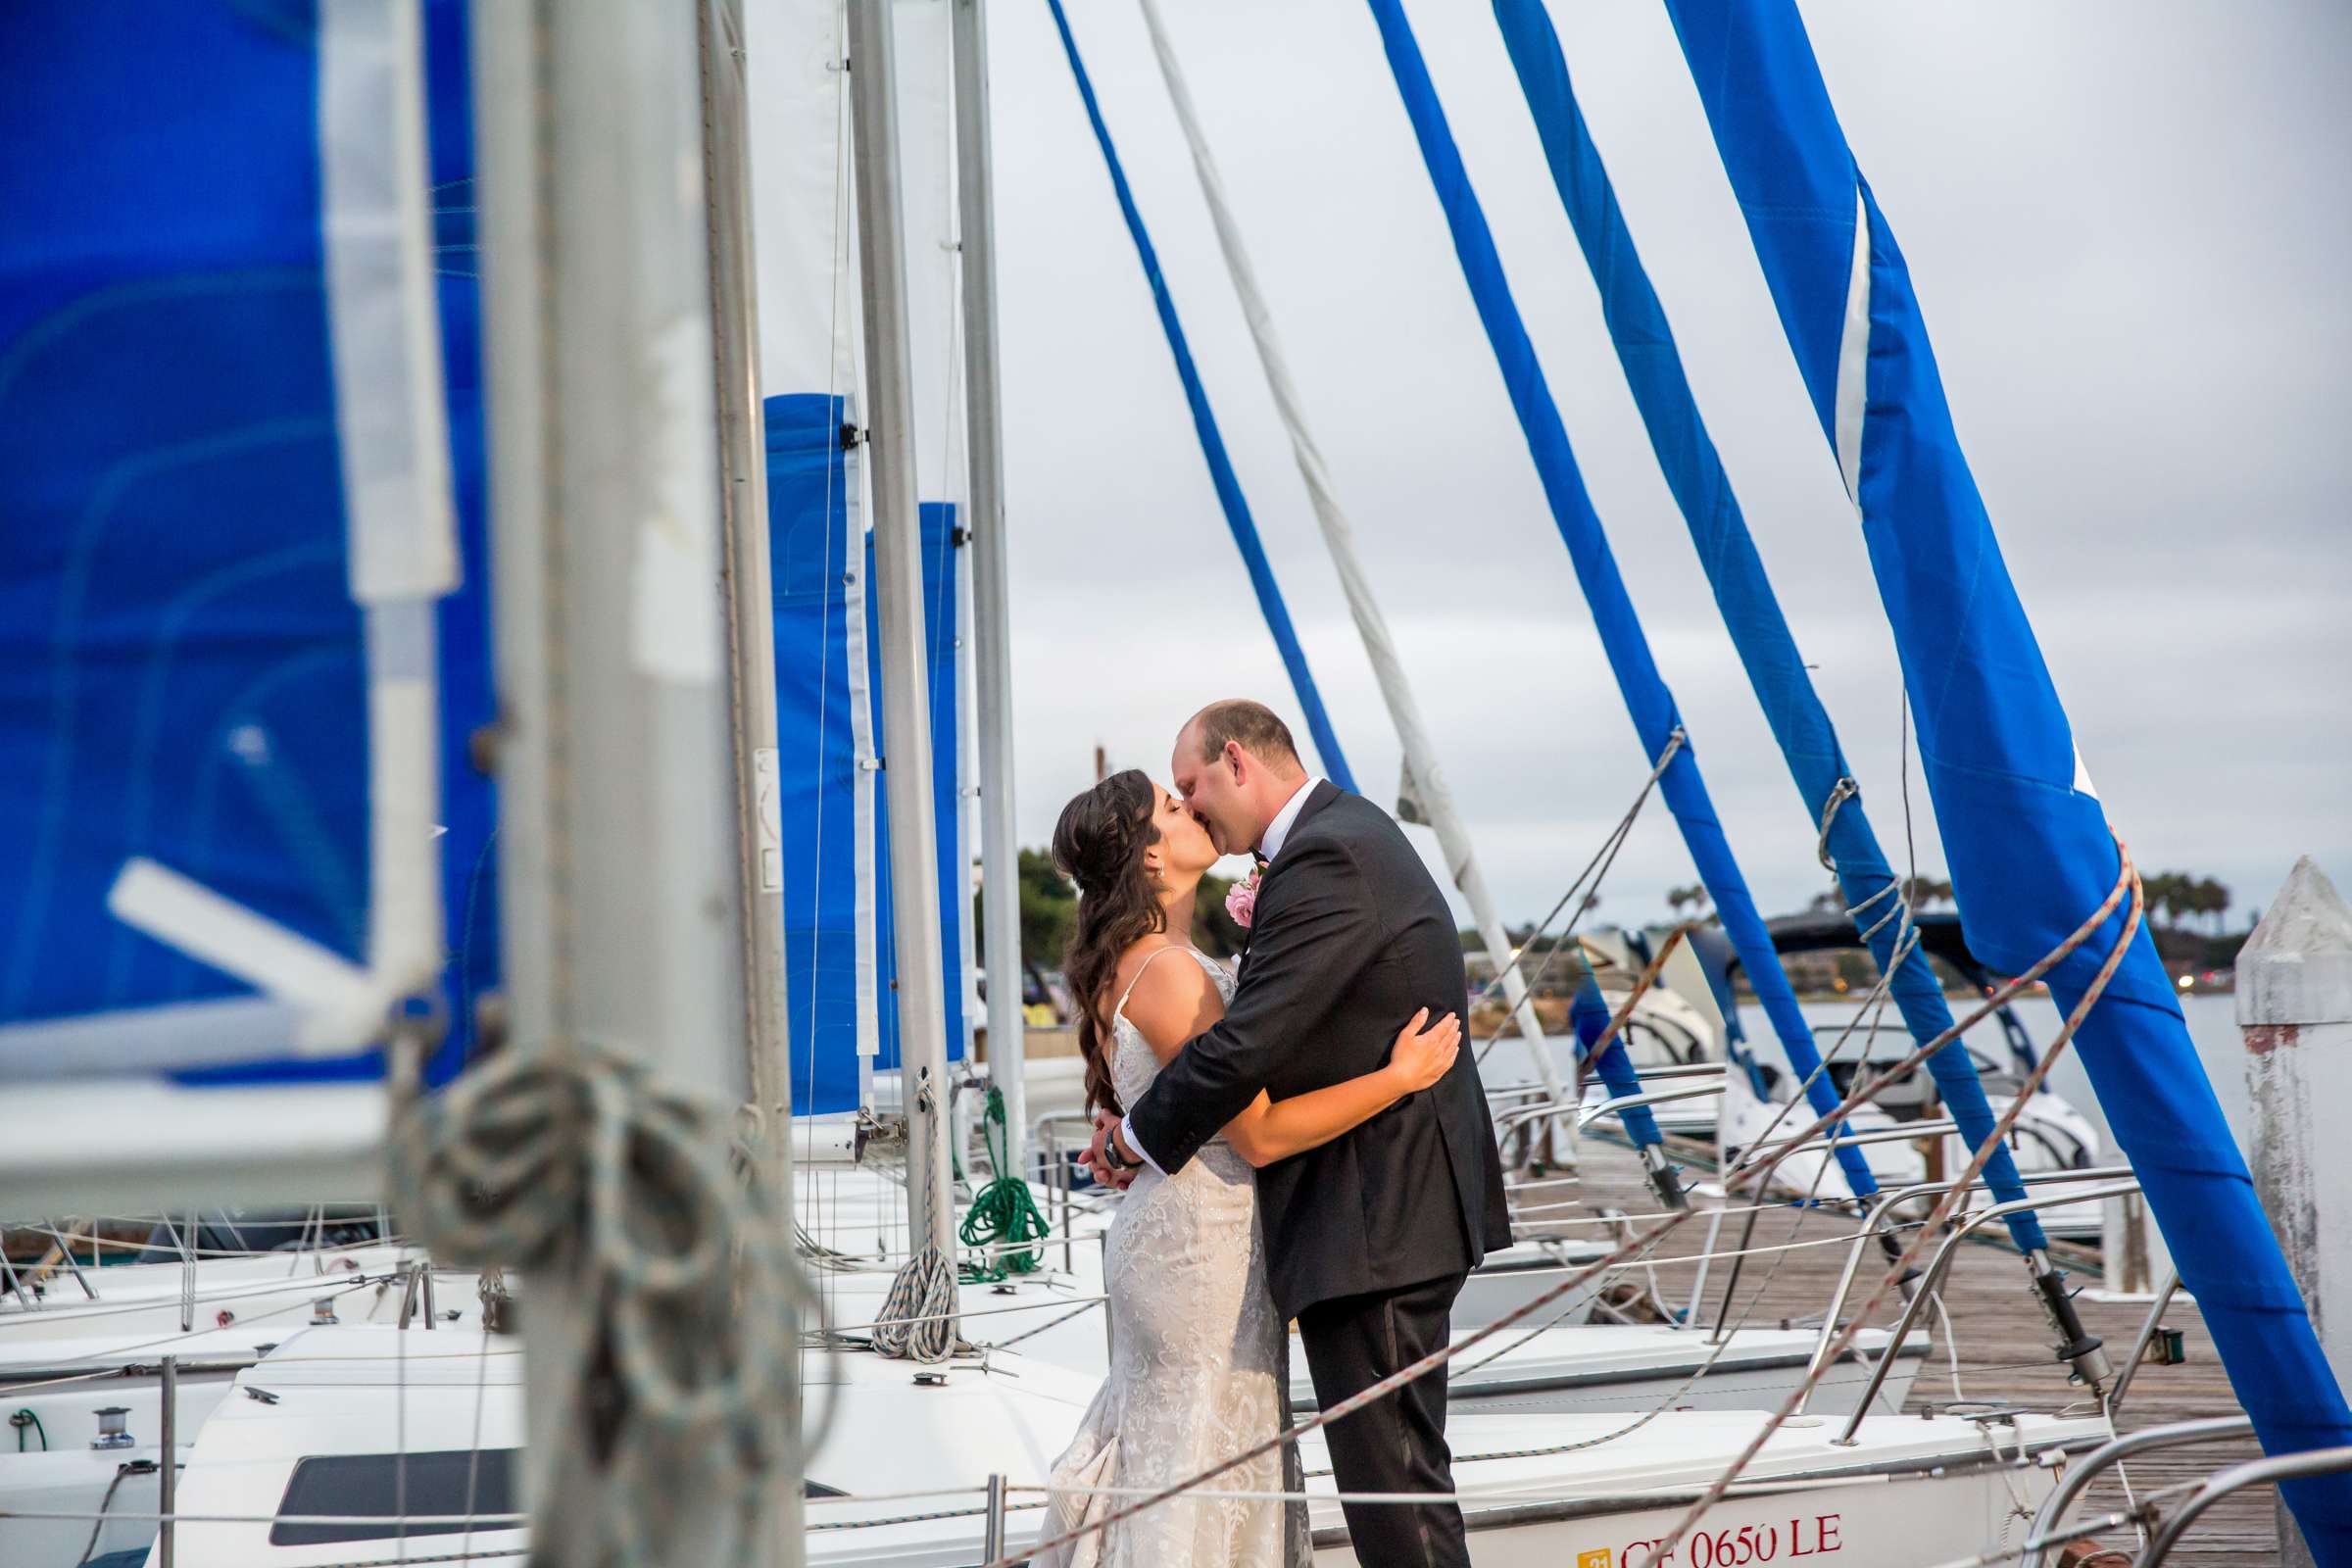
[734, 797]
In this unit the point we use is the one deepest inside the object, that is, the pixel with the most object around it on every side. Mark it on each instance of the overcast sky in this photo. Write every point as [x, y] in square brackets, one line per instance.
[2129, 223]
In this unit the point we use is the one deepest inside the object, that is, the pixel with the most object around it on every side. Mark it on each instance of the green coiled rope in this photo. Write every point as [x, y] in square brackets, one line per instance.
[1003, 1213]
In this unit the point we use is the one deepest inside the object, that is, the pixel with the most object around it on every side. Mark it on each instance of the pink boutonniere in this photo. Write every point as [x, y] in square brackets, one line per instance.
[1241, 899]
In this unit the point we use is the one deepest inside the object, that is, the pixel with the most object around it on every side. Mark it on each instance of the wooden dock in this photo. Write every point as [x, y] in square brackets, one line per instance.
[2004, 1349]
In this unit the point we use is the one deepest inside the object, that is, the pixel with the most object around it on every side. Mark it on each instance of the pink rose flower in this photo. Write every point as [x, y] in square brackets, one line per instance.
[1241, 899]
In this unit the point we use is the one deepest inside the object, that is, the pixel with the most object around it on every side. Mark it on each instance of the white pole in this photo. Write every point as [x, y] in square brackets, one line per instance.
[2294, 1007]
[620, 905]
[898, 592]
[1420, 756]
[992, 653]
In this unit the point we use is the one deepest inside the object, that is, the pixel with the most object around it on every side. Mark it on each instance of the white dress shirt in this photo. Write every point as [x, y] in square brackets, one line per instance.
[1269, 844]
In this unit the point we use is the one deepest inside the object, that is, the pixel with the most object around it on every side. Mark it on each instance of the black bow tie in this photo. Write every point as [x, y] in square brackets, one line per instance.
[1259, 855]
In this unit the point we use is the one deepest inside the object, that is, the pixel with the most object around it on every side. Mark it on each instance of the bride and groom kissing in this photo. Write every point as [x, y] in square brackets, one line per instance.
[1302, 1144]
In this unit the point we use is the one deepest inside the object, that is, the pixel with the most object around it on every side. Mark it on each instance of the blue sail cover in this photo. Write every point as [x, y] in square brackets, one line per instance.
[1212, 443]
[183, 675]
[1654, 369]
[816, 762]
[1589, 1016]
[2028, 841]
[809, 529]
[1647, 701]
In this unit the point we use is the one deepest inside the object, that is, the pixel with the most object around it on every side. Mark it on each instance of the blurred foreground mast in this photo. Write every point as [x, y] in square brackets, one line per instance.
[621, 906]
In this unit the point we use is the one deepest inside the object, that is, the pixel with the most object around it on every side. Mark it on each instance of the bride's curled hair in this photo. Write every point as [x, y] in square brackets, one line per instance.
[1099, 844]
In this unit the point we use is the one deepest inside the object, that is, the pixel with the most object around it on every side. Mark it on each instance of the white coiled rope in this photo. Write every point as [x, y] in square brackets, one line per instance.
[602, 1186]
[918, 1315]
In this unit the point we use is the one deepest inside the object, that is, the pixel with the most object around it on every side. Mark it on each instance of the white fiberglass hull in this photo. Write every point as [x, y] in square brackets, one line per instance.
[1910, 1492]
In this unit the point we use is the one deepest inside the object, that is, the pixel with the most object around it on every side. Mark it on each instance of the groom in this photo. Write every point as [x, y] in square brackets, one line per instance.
[1370, 1235]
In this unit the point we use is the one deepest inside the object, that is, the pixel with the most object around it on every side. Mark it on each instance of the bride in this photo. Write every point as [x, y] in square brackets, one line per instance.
[1199, 1360]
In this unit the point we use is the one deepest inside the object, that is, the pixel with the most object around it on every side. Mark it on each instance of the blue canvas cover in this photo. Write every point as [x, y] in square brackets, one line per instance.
[181, 665]
[1589, 1016]
[816, 762]
[1800, 724]
[813, 572]
[2027, 838]
[1647, 701]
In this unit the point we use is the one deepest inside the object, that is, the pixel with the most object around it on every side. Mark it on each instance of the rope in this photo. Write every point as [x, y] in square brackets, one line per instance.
[1052, 1322]
[918, 1315]
[1598, 868]
[2127, 883]
[1004, 1215]
[1845, 790]
[575, 1165]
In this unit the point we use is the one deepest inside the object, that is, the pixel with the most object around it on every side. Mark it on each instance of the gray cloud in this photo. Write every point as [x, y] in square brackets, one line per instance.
[2129, 225]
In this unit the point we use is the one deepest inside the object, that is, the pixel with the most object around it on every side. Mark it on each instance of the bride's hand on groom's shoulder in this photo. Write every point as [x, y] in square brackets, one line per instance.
[1424, 1051]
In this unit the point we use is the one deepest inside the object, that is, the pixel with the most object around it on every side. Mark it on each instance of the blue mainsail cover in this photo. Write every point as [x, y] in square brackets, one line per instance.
[2029, 845]
[1589, 1016]
[1212, 443]
[813, 570]
[185, 671]
[1647, 701]
[816, 762]
[1654, 369]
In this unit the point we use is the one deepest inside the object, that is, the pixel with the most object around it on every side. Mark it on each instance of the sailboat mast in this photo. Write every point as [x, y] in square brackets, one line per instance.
[992, 653]
[1405, 710]
[906, 769]
[620, 906]
[751, 643]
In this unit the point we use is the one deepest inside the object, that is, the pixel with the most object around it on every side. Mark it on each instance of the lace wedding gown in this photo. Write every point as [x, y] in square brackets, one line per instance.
[1199, 1365]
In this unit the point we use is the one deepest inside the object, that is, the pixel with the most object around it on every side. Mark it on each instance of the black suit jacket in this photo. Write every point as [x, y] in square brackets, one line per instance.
[1351, 935]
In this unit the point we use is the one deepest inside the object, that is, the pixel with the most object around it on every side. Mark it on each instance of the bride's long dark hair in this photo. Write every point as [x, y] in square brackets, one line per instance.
[1099, 844]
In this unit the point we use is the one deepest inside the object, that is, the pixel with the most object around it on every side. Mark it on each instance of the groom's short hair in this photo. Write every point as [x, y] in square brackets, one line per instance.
[1254, 726]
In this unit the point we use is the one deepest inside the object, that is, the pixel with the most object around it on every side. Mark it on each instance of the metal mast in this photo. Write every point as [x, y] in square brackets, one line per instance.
[750, 642]
[899, 594]
[621, 906]
[992, 653]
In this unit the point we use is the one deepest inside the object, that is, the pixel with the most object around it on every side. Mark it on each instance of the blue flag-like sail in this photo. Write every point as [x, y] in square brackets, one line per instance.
[1654, 370]
[2028, 841]
[1647, 697]
[1212, 443]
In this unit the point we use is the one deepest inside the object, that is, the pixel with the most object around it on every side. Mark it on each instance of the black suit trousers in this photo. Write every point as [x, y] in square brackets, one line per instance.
[1396, 1443]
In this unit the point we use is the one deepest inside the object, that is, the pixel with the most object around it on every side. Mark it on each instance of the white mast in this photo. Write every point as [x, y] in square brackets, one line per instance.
[991, 656]
[620, 904]
[1420, 756]
[899, 593]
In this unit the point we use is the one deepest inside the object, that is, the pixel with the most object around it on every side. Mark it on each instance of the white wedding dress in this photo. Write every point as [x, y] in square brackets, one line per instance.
[1199, 1365]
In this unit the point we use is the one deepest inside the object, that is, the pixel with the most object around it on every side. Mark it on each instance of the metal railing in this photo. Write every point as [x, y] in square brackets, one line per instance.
[2139, 1346]
[1648, 1096]
[1933, 1276]
[2258, 1473]
[2080, 1474]
[1871, 1228]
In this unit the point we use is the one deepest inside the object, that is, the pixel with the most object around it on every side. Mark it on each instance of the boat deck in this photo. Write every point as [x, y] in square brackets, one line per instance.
[2004, 1349]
